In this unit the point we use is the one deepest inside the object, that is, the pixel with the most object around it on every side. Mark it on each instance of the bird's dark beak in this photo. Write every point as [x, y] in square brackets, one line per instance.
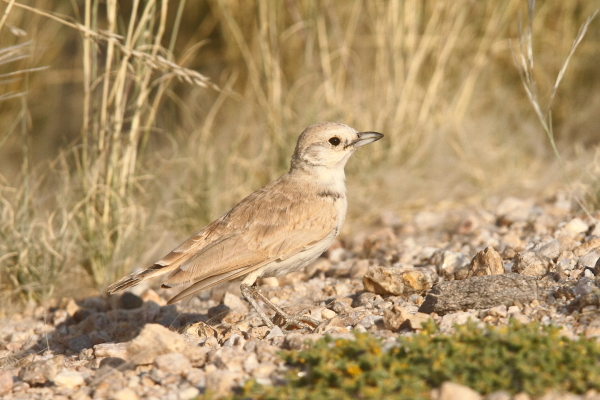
[366, 138]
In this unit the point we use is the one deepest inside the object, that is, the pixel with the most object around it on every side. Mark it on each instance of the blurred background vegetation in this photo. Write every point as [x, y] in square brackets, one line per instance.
[126, 126]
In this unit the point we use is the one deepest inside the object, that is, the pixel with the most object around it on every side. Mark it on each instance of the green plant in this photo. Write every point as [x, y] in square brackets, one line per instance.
[518, 358]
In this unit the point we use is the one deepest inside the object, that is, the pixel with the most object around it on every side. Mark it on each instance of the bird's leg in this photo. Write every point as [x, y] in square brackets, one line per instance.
[251, 293]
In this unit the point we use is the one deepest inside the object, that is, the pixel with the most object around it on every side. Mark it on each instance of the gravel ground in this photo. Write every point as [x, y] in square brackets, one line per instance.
[532, 261]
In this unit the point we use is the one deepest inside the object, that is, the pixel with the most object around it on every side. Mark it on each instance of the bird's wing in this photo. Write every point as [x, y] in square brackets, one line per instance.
[273, 225]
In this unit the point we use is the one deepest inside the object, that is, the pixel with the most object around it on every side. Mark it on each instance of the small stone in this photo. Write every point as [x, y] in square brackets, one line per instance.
[589, 260]
[530, 264]
[452, 261]
[550, 249]
[592, 244]
[342, 306]
[6, 382]
[455, 391]
[416, 321]
[189, 393]
[456, 318]
[498, 311]
[258, 332]
[576, 226]
[130, 301]
[68, 379]
[275, 332]
[486, 262]
[395, 317]
[420, 280]
[154, 340]
[328, 314]
[125, 394]
[174, 363]
[593, 329]
[118, 350]
[383, 280]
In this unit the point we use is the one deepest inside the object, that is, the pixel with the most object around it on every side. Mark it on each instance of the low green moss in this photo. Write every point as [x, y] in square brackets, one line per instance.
[527, 358]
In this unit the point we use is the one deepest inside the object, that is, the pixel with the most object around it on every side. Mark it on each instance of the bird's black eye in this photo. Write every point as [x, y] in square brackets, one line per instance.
[335, 141]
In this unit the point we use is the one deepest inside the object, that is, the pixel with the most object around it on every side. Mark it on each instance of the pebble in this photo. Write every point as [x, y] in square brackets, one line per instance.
[153, 341]
[455, 391]
[383, 280]
[68, 379]
[486, 262]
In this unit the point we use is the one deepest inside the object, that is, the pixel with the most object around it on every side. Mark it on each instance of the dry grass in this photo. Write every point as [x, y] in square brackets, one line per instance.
[122, 146]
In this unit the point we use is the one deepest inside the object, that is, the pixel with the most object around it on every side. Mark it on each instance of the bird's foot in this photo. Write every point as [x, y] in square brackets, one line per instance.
[284, 320]
[288, 322]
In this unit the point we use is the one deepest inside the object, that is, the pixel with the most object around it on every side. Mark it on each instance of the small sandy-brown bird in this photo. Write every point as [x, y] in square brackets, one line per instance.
[278, 229]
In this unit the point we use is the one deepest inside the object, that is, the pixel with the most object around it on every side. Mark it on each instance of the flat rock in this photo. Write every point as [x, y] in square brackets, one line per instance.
[154, 340]
[480, 292]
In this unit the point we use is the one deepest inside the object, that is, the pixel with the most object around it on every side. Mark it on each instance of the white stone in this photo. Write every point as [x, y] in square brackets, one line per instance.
[68, 379]
[576, 226]
[454, 391]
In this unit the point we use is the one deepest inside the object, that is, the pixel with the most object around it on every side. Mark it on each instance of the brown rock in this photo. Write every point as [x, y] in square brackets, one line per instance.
[383, 280]
[419, 280]
[528, 263]
[416, 321]
[153, 341]
[486, 262]
[592, 244]
[395, 317]
[259, 332]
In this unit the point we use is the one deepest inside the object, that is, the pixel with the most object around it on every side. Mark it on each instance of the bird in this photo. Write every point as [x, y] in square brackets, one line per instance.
[278, 229]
